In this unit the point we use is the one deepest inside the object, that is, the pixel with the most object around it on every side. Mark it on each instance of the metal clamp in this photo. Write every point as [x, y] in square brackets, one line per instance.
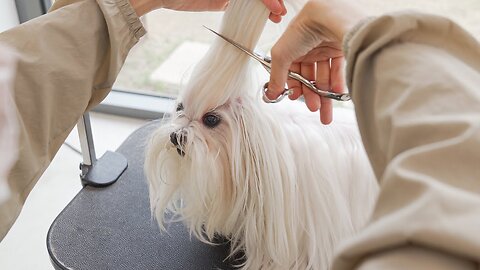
[104, 171]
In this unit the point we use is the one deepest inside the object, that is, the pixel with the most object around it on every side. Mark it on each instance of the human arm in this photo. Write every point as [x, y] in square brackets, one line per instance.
[8, 123]
[67, 62]
[276, 7]
[143, 7]
[415, 82]
[414, 79]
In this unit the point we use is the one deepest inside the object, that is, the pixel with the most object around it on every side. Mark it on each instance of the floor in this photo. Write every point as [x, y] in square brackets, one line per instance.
[24, 247]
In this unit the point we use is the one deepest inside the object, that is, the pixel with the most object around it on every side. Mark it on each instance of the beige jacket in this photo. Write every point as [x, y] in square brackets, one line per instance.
[416, 87]
[69, 61]
[8, 121]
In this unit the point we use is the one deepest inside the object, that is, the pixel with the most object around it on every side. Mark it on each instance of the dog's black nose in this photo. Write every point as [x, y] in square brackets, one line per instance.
[173, 138]
[178, 138]
[178, 142]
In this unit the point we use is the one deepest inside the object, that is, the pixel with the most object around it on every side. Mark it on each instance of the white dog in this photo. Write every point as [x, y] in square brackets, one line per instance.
[280, 186]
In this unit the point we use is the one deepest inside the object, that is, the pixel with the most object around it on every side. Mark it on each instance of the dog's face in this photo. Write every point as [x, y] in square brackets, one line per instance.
[215, 166]
[195, 163]
[209, 128]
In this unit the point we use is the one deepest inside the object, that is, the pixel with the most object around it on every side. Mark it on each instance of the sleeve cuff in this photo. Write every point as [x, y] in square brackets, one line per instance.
[346, 47]
[352, 32]
[131, 18]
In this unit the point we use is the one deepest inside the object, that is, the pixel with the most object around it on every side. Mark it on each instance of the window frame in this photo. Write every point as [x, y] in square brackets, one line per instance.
[29, 9]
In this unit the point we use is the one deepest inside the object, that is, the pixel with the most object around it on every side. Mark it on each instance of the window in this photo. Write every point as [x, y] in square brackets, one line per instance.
[174, 42]
[28, 9]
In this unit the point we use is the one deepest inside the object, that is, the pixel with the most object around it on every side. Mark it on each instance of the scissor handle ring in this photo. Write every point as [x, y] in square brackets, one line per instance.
[285, 93]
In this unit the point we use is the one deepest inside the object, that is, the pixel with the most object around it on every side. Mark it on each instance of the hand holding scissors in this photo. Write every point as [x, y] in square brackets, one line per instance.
[266, 63]
[311, 46]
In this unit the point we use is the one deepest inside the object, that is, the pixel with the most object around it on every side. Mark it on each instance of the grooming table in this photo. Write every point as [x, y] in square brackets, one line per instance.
[111, 227]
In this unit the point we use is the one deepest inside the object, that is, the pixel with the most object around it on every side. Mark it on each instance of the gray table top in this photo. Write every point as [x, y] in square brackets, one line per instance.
[111, 228]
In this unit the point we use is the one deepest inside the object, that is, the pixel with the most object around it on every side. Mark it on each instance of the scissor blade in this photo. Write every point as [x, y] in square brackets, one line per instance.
[242, 48]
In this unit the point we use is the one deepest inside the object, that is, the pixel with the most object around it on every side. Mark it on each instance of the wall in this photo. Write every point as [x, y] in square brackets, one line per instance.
[8, 14]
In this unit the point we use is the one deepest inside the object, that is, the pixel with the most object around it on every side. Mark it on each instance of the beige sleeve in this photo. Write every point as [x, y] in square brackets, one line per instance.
[69, 60]
[415, 81]
[8, 121]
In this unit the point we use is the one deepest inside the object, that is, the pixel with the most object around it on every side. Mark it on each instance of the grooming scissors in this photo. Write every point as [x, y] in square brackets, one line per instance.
[266, 63]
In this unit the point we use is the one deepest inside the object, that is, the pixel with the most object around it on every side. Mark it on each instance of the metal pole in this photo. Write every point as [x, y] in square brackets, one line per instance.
[86, 140]
[104, 171]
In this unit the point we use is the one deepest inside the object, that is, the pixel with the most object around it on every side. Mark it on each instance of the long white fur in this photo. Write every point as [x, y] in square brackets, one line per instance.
[282, 187]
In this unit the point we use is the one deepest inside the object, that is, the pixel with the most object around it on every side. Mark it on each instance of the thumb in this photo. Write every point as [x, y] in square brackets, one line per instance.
[279, 72]
[275, 6]
[297, 40]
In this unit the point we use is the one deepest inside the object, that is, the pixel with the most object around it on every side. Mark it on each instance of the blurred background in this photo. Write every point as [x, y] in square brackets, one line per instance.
[176, 40]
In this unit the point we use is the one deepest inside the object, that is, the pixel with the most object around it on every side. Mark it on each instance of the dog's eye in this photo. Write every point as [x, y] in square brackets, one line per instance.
[179, 107]
[211, 120]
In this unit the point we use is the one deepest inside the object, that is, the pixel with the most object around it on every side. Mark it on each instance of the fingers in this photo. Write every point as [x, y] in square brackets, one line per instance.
[284, 9]
[291, 45]
[323, 82]
[323, 75]
[323, 52]
[312, 100]
[275, 18]
[294, 84]
[277, 7]
[278, 74]
[326, 111]
[311, 50]
[336, 75]
[336, 85]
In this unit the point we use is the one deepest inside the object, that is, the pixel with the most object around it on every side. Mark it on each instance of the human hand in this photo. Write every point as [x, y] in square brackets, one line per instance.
[142, 7]
[311, 46]
[193, 5]
[277, 9]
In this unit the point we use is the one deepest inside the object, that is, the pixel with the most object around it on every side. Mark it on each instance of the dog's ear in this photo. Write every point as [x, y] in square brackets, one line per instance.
[264, 181]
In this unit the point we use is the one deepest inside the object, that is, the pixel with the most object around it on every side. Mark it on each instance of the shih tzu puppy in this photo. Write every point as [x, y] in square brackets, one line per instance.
[284, 189]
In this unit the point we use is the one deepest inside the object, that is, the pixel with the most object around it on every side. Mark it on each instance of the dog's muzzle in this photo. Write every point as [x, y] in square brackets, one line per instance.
[178, 139]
